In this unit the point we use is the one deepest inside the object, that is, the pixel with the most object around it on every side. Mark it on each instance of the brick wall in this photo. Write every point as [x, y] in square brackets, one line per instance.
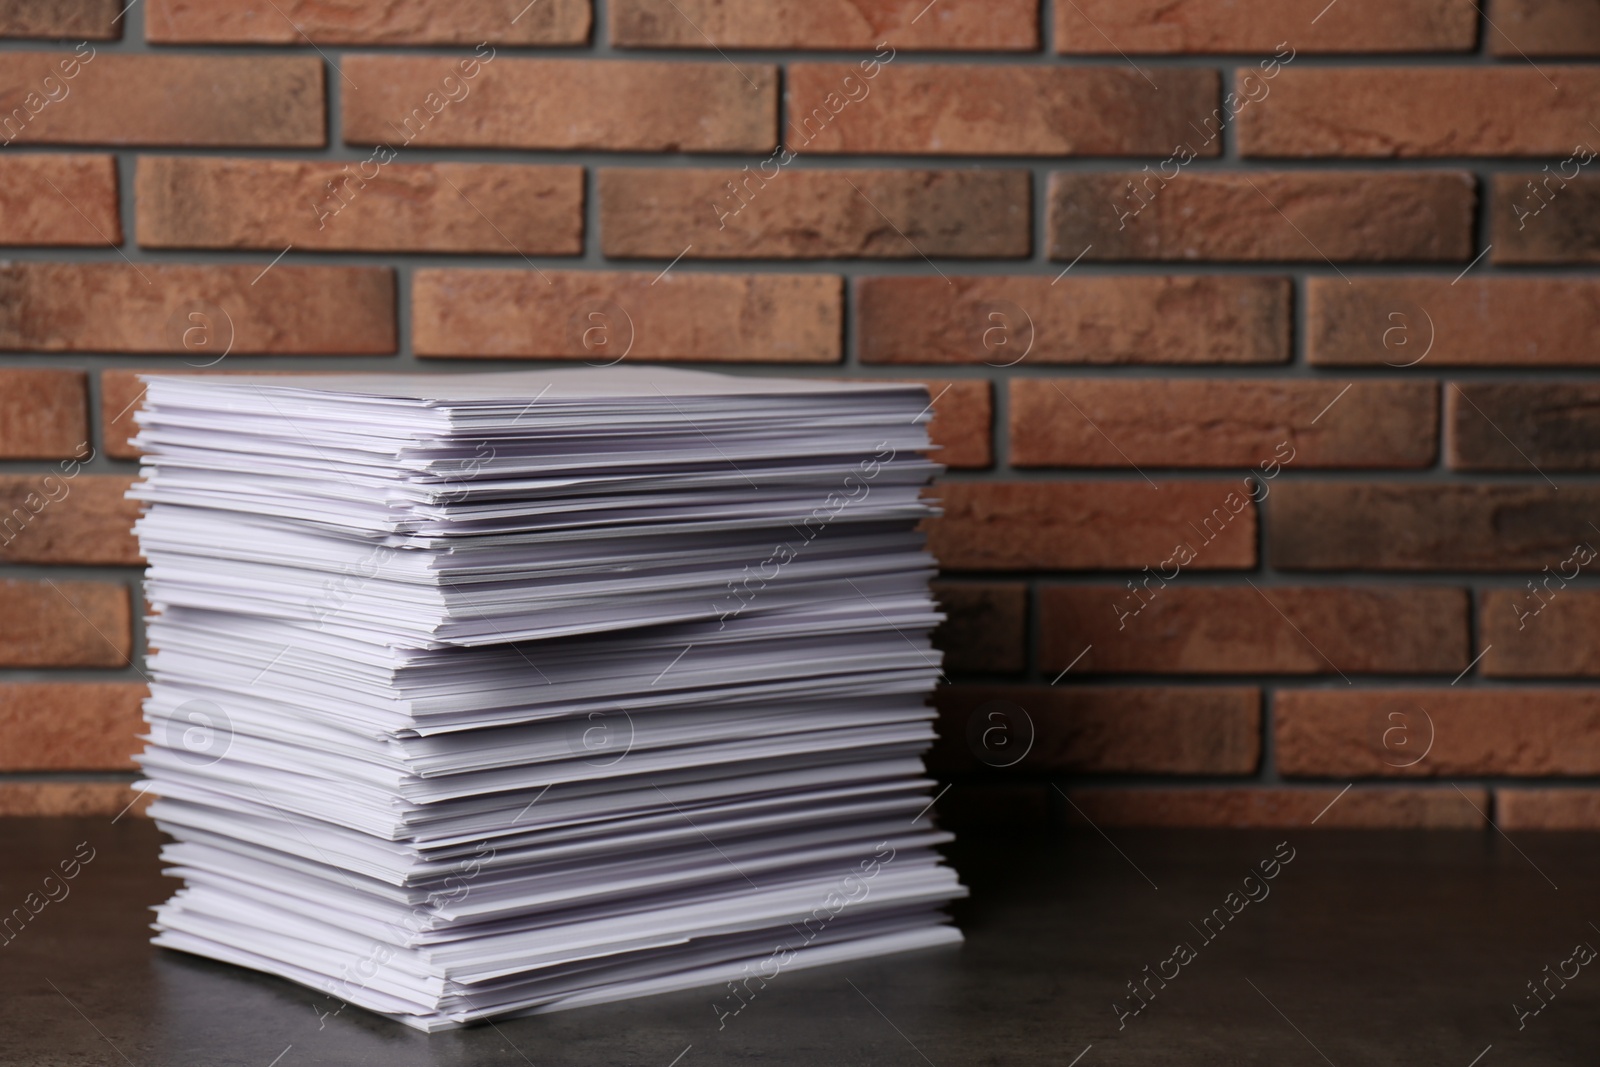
[1262, 337]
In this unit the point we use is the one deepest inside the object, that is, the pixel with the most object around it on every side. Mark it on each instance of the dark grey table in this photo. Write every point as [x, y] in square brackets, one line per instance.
[1366, 948]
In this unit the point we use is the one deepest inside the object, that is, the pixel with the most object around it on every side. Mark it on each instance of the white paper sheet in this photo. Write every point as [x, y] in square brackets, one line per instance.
[497, 693]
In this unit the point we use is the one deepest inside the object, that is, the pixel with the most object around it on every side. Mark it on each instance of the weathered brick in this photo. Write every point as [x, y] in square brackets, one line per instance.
[907, 25]
[1159, 27]
[64, 624]
[1098, 730]
[59, 200]
[911, 327]
[370, 22]
[1091, 525]
[1189, 422]
[1431, 732]
[1521, 28]
[1292, 216]
[195, 311]
[500, 209]
[1417, 112]
[72, 798]
[70, 726]
[947, 109]
[80, 20]
[43, 413]
[1518, 426]
[1382, 807]
[963, 421]
[814, 214]
[605, 316]
[1002, 321]
[987, 626]
[1517, 322]
[1547, 809]
[1548, 217]
[1545, 627]
[513, 102]
[147, 99]
[1236, 629]
[1420, 527]
[67, 517]
[121, 395]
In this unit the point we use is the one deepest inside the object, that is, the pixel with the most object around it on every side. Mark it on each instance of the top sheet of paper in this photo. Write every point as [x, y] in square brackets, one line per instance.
[552, 384]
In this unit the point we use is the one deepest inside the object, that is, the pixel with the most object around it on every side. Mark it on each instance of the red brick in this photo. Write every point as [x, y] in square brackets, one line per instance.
[70, 726]
[370, 22]
[963, 422]
[64, 624]
[59, 200]
[1420, 112]
[43, 413]
[948, 109]
[1190, 422]
[500, 209]
[814, 214]
[1236, 629]
[906, 25]
[1098, 730]
[118, 307]
[1405, 526]
[80, 20]
[146, 99]
[1152, 27]
[1548, 216]
[1515, 322]
[1547, 809]
[987, 626]
[1383, 807]
[71, 798]
[67, 517]
[513, 102]
[1522, 426]
[604, 316]
[121, 395]
[1300, 216]
[1544, 627]
[1432, 732]
[1004, 320]
[1090, 525]
[1521, 28]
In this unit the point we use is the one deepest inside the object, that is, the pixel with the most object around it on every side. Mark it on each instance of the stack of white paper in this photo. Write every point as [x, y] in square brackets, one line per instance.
[480, 694]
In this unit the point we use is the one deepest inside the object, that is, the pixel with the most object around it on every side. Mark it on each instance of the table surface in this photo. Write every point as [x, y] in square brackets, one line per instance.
[1366, 948]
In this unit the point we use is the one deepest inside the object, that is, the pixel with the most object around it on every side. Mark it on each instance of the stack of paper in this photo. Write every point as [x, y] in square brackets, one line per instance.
[480, 694]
